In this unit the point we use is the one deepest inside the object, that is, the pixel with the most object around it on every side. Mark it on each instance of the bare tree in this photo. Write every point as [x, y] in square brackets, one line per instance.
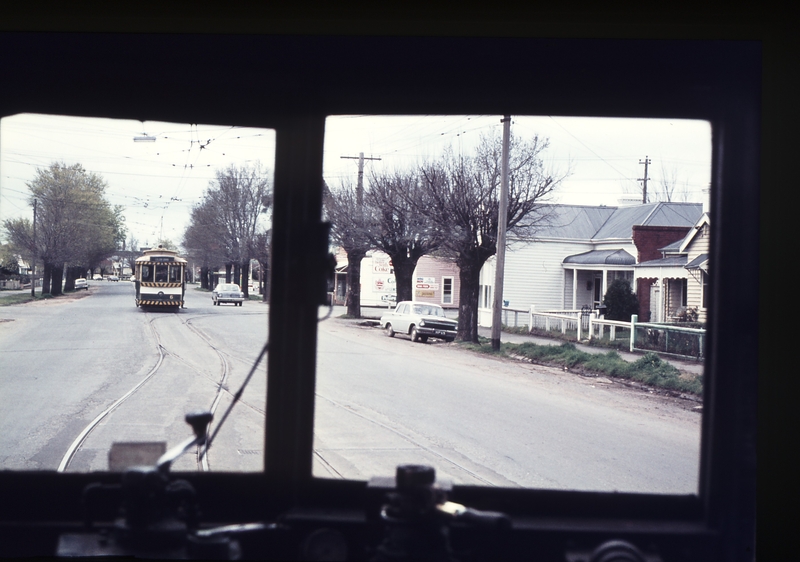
[348, 230]
[204, 241]
[670, 188]
[463, 200]
[396, 227]
[235, 203]
[262, 254]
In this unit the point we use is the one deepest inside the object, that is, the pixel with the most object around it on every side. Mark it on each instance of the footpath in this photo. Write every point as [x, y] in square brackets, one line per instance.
[695, 367]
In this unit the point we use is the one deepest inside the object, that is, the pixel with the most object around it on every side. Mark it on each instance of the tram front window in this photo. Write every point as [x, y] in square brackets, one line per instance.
[147, 273]
[161, 273]
[174, 274]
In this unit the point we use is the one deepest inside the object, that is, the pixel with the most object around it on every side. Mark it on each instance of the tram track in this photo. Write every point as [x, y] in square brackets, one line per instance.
[403, 435]
[220, 380]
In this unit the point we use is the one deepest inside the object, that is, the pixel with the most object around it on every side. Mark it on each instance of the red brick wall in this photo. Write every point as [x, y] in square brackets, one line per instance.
[643, 294]
[648, 239]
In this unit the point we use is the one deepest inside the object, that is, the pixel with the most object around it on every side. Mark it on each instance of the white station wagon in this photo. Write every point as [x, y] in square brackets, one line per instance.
[420, 321]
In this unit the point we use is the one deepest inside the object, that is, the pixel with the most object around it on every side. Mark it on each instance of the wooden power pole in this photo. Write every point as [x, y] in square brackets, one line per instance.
[502, 220]
[646, 162]
[33, 256]
[360, 185]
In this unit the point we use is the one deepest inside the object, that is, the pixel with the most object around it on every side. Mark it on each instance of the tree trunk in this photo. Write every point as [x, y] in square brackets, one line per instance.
[55, 279]
[69, 281]
[470, 277]
[48, 271]
[204, 278]
[353, 300]
[228, 272]
[264, 280]
[404, 267]
[246, 279]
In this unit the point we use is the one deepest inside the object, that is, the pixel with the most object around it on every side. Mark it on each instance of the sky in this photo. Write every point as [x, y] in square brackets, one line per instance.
[157, 183]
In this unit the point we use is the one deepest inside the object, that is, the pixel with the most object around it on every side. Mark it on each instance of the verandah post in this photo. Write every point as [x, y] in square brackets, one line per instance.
[634, 320]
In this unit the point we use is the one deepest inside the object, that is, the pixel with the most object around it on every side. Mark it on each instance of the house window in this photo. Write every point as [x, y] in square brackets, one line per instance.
[684, 290]
[704, 279]
[486, 296]
[447, 290]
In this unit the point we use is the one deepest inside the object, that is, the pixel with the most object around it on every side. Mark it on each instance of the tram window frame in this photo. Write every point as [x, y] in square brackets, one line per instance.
[300, 135]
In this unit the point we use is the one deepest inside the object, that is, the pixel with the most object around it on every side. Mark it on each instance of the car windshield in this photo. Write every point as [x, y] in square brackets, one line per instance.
[229, 287]
[427, 310]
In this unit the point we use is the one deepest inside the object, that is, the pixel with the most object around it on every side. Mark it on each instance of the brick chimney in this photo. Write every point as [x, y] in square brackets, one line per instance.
[648, 239]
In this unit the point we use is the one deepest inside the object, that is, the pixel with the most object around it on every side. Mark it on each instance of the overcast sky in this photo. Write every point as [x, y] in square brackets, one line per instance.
[158, 182]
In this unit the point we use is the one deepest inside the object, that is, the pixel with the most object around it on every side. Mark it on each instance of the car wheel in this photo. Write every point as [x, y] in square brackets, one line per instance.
[414, 334]
[389, 330]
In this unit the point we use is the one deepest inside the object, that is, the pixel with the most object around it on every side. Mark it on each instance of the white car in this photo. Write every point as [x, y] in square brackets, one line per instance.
[81, 284]
[227, 292]
[420, 321]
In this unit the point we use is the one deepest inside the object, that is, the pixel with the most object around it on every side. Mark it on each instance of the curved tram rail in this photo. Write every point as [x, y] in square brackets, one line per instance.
[160, 277]
[220, 381]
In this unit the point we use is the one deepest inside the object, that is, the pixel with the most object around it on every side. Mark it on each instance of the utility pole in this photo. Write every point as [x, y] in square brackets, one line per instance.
[645, 178]
[502, 221]
[360, 185]
[33, 257]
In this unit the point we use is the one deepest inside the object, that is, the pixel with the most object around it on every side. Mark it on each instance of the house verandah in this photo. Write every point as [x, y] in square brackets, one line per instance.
[587, 276]
[661, 286]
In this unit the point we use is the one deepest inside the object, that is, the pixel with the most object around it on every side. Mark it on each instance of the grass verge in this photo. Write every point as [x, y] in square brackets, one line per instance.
[19, 299]
[649, 369]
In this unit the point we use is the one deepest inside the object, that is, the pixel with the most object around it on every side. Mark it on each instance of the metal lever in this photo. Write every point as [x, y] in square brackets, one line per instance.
[199, 421]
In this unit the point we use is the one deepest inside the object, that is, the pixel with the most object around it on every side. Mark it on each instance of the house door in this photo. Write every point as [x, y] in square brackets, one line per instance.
[598, 292]
[655, 302]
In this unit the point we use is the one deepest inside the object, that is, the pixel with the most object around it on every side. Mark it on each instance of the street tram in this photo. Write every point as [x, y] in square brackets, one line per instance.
[160, 278]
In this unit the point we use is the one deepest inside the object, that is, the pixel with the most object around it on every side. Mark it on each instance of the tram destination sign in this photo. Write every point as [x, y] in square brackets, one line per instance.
[162, 258]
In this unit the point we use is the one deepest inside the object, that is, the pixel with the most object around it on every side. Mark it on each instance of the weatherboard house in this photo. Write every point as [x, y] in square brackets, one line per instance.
[674, 285]
[578, 251]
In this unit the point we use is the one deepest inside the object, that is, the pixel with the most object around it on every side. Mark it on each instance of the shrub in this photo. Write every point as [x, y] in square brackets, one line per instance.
[620, 301]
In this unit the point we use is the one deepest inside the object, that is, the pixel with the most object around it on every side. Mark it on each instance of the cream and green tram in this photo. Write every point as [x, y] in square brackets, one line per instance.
[160, 278]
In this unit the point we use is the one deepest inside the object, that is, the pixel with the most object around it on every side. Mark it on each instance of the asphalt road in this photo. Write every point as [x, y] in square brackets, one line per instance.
[67, 360]
[385, 401]
[380, 401]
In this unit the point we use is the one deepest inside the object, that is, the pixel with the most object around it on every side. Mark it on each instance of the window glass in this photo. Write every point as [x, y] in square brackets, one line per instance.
[132, 186]
[539, 415]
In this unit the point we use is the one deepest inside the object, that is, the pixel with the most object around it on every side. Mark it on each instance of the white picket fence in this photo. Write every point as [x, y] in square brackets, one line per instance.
[564, 320]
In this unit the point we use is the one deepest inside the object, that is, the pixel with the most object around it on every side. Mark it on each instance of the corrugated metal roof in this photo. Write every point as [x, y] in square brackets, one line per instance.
[580, 222]
[675, 214]
[572, 222]
[620, 224]
[671, 261]
[697, 262]
[602, 257]
[674, 247]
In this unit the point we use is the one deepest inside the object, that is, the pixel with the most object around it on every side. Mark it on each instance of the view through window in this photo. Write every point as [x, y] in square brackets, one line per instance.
[114, 236]
[599, 382]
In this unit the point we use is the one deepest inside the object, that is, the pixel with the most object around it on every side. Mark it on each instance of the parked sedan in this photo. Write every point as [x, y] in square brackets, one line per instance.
[81, 284]
[420, 321]
[227, 292]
